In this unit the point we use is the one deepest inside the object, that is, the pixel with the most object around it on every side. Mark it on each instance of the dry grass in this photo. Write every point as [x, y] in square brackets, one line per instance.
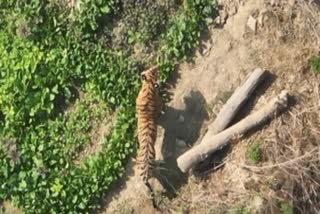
[294, 152]
[290, 167]
[311, 10]
[286, 179]
[8, 208]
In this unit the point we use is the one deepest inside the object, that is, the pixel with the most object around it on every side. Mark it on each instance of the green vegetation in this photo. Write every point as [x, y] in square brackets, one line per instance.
[243, 210]
[315, 64]
[49, 53]
[238, 209]
[254, 153]
[286, 207]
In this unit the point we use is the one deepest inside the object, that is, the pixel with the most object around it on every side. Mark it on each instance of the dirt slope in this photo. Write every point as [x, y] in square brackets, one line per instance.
[282, 41]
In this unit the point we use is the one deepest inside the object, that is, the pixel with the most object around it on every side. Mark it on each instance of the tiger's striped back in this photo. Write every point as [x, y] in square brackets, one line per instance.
[148, 109]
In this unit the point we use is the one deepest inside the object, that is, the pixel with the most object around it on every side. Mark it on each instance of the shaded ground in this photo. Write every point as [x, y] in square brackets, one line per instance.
[286, 36]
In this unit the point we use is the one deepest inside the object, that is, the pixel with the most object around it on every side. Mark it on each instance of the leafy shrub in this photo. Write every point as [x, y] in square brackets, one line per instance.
[143, 18]
[27, 93]
[47, 53]
[88, 13]
[183, 32]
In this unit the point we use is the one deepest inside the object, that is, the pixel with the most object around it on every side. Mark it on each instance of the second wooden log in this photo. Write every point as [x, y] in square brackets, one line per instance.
[235, 102]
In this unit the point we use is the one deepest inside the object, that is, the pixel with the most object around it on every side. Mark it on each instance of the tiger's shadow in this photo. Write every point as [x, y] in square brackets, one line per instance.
[181, 131]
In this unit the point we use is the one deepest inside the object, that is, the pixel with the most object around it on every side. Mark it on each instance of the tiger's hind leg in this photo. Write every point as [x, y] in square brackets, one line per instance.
[162, 174]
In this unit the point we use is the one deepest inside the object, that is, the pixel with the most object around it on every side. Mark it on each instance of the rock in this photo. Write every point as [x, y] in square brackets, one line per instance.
[157, 186]
[292, 2]
[180, 118]
[252, 23]
[207, 49]
[181, 143]
[232, 10]
[291, 78]
[263, 11]
[222, 18]
[280, 35]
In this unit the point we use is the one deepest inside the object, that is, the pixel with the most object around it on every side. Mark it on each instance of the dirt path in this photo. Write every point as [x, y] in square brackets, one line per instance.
[281, 41]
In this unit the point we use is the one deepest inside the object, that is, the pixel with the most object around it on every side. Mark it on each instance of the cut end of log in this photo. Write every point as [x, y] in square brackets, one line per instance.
[283, 98]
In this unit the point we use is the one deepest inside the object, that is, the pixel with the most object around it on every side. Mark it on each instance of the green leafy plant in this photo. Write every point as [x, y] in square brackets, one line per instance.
[286, 207]
[315, 64]
[143, 19]
[243, 210]
[183, 33]
[254, 152]
[50, 55]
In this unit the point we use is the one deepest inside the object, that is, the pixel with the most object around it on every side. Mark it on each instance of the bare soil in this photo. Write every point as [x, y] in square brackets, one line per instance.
[9, 209]
[285, 36]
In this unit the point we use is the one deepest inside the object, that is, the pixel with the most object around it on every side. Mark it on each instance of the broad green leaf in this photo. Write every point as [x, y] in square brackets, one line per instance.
[105, 9]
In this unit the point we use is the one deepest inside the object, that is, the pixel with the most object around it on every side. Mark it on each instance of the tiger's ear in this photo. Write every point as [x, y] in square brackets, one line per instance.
[143, 77]
[156, 85]
[154, 69]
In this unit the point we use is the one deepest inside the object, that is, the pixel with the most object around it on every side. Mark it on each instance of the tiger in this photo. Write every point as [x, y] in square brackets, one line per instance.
[149, 107]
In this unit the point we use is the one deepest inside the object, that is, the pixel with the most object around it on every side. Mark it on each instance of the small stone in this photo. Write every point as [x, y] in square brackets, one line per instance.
[157, 186]
[252, 23]
[232, 10]
[291, 78]
[223, 15]
[181, 143]
[280, 35]
[208, 47]
[217, 20]
[263, 11]
[181, 118]
[292, 2]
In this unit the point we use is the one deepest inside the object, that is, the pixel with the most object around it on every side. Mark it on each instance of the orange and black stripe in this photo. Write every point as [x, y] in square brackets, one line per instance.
[147, 108]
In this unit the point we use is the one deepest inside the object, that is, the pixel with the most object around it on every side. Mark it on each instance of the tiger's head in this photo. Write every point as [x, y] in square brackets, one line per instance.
[151, 76]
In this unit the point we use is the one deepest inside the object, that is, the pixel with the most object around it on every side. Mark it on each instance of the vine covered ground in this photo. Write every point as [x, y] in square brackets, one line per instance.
[50, 54]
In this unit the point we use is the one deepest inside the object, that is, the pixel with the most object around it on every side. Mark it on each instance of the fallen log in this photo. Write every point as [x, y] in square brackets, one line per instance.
[215, 142]
[235, 102]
